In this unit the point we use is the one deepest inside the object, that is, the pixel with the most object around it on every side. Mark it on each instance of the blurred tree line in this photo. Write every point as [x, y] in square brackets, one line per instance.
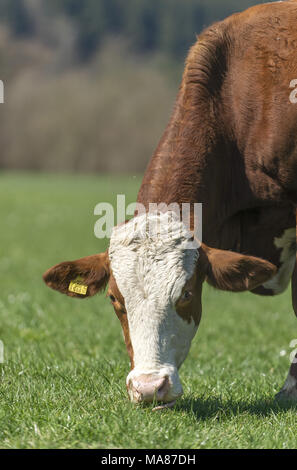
[167, 26]
[89, 85]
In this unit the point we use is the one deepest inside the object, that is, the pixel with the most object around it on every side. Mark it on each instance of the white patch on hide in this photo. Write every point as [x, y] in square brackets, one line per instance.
[287, 243]
[151, 265]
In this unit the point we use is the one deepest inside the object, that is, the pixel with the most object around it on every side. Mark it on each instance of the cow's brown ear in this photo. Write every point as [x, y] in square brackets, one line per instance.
[82, 278]
[234, 272]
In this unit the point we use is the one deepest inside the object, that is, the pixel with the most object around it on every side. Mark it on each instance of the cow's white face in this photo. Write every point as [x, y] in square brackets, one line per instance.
[151, 265]
[155, 284]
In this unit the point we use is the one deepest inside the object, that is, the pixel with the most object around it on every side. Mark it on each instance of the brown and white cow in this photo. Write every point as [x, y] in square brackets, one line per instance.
[231, 144]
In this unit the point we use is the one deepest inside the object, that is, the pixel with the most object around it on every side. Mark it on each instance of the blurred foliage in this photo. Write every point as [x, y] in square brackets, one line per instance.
[17, 16]
[103, 117]
[168, 26]
[89, 85]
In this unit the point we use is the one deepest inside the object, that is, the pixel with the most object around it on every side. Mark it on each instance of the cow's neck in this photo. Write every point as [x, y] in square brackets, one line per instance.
[197, 159]
[201, 158]
[186, 166]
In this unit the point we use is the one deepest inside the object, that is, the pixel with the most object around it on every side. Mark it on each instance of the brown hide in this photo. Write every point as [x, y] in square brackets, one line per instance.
[231, 143]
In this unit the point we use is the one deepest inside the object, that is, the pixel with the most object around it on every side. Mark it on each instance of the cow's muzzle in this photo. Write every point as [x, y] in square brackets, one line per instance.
[148, 388]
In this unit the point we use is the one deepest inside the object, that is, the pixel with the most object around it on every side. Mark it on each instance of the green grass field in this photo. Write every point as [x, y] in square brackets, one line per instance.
[63, 379]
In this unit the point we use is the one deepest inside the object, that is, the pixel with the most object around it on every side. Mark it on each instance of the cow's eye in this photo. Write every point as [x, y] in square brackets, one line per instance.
[187, 295]
[112, 298]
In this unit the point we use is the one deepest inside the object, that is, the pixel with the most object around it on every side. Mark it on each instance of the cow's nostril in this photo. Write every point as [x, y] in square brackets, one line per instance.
[163, 388]
[148, 388]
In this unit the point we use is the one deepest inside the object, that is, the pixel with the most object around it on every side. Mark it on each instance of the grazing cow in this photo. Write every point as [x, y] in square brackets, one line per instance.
[231, 144]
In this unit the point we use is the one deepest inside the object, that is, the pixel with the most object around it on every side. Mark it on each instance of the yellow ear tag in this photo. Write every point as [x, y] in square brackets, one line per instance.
[78, 288]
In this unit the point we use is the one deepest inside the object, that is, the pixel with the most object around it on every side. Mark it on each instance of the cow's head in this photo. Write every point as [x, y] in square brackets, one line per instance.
[155, 283]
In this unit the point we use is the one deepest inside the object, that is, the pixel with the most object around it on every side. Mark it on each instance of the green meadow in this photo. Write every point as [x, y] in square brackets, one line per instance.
[63, 377]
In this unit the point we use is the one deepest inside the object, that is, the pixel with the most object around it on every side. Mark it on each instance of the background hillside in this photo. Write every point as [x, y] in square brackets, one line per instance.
[89, 85]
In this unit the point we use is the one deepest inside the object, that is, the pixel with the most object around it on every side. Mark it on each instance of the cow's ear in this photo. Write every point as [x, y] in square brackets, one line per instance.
[82, 278]
[234, 272]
